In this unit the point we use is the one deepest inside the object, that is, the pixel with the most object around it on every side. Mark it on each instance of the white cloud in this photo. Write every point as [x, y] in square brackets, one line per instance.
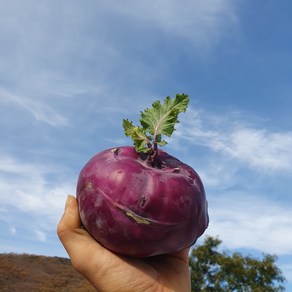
[246, 221]
[12, 230]
[287, 271]
[74, 44]
[40, 111]
[26, 190]
[261, 148]
[202, 22]
[218, 174]
[233, 137]
[41, 236]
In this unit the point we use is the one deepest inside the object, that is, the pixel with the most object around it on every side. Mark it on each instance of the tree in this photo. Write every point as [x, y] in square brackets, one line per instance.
[215, 271]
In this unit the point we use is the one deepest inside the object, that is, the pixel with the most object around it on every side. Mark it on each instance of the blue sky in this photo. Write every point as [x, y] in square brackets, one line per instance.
[70, 71]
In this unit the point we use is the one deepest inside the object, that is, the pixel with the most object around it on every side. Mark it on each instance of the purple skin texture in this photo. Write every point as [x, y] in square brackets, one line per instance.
[135, 209]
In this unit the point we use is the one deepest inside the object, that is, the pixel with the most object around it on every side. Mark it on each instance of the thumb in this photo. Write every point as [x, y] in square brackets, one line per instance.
[70, 219]
[75, 239]
[87, 256]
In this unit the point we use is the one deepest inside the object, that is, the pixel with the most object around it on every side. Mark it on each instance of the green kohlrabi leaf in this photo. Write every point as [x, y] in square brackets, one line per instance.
[155, 122]
[161, 118]
[138, 135]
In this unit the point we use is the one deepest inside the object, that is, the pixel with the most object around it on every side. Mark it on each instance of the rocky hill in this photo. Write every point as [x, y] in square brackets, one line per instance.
[23, 272]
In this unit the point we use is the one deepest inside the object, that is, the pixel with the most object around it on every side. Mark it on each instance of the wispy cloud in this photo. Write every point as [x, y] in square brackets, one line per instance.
[40, 111]
[287, 270]
[73, 43]
[251, 221]
[237, 138]
[33, 191]
[261, 148]
[202, 23]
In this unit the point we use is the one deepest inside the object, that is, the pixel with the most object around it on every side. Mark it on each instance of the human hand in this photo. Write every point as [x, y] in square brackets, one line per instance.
[108, 271]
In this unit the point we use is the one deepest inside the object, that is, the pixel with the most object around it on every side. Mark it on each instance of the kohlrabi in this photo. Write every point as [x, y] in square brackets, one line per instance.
[141, 201]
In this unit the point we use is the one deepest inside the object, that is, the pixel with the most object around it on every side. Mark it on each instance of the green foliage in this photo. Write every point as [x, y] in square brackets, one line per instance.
[212, 270]
[139, 137]
[155, 122]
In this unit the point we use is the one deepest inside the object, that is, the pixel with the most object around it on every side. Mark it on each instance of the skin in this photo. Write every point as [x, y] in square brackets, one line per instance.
[107, 271]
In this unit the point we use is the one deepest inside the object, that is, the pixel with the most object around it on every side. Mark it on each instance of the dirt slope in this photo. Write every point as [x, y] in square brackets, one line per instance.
[39, 273]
